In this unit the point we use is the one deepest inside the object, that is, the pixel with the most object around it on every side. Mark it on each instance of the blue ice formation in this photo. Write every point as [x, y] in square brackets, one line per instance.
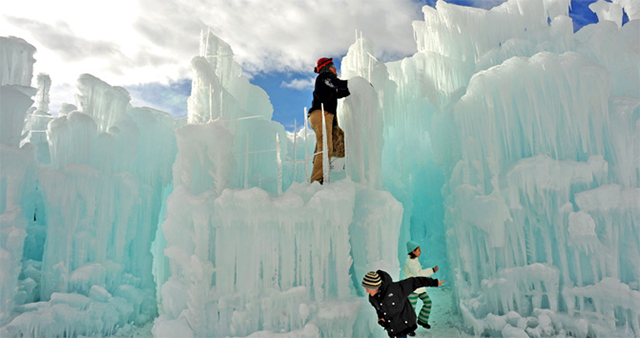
[509, 150]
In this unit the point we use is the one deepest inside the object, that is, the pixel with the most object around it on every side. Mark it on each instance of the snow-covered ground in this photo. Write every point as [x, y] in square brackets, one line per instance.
[128, 332]
[444, 322]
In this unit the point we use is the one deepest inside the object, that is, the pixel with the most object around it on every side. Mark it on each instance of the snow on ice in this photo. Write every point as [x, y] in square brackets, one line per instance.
[509, 150]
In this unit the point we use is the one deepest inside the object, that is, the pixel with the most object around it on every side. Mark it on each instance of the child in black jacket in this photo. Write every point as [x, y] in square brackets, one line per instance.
[390, 299]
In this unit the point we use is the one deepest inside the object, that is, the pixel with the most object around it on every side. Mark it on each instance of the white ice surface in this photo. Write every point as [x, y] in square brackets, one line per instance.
[508, 147]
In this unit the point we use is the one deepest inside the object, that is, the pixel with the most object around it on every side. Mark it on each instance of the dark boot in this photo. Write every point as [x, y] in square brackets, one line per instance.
[425, 325]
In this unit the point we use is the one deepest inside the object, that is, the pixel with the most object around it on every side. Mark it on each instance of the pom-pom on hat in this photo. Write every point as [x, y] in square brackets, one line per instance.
[372, 280]
[411, 245]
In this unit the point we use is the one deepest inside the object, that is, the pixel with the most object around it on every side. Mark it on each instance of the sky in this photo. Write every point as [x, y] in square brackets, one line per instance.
[146, 46]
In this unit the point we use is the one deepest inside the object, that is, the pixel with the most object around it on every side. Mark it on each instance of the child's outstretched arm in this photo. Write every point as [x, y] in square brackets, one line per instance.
[410, 284]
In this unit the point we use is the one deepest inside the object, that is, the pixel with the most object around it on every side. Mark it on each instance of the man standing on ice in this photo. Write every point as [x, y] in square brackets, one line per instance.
[412, 268]
[327, 91]
[390, 299]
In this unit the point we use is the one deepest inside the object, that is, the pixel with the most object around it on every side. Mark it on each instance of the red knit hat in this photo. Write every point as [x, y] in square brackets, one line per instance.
[321, 63]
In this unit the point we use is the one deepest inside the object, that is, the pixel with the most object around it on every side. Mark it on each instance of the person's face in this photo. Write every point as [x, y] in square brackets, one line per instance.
[371, 292]
[333, 70]
[417, 252]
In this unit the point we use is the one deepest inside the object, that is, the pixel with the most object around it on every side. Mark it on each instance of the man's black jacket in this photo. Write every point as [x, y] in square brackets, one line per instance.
[327, 91]
[392, 303]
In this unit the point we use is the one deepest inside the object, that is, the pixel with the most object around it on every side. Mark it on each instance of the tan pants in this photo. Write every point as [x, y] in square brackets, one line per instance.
[335, 141]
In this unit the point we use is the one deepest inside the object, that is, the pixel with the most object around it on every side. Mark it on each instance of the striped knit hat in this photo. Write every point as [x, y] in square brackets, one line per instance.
[372, 280]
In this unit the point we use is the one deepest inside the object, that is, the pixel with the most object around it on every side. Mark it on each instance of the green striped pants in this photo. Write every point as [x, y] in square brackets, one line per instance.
[423, 317]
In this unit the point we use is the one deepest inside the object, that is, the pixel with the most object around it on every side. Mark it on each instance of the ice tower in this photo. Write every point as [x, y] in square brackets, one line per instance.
[242, 256]
[18, 165]
[534, 130]
[77, 225]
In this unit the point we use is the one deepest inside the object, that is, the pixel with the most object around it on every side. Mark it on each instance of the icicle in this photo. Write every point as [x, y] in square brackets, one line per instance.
[210, 102]
[279, 164]
[369, 65]
[206, 45]
[357, 58]
[326, 173]
[221, 93]
[201, 42]
[306, 155]
[246, 164]
[295, 157]
[361, 55]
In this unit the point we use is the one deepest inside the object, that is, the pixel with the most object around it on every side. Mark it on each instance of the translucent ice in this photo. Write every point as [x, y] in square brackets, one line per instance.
[81, 223]
[535, 129]
[507, 147]
[16, 60]
[244, 261]
[18, 166]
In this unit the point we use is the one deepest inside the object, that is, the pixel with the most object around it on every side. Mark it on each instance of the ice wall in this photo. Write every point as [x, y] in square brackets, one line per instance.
[245, 250]
[246, 261]
[394, 121]
[534, 130]
[17, 167]
[246, 245]
[77, 226]
[536, 135]
[508, 146]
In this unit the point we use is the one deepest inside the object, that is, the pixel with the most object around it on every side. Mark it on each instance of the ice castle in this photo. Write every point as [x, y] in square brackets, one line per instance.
[510, 151]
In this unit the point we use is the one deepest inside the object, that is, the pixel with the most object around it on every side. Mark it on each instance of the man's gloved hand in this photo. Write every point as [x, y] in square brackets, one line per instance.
[382, 323]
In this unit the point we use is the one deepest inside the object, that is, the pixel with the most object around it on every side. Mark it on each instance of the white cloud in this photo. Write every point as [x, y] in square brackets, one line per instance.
[299, 84]
[127, 43]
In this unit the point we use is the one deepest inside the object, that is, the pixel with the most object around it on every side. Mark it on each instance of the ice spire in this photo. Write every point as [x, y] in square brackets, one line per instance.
[42, 97]
[607, 11]
[360, 114]
[105, 103]
[36, 122]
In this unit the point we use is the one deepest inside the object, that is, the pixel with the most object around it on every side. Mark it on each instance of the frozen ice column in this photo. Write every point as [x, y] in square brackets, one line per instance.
[16, 60]
[35, 126]
[220, 91]
[105, 103]
[97, 208]
[361, 116]
[17, 165]
[226, 114]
